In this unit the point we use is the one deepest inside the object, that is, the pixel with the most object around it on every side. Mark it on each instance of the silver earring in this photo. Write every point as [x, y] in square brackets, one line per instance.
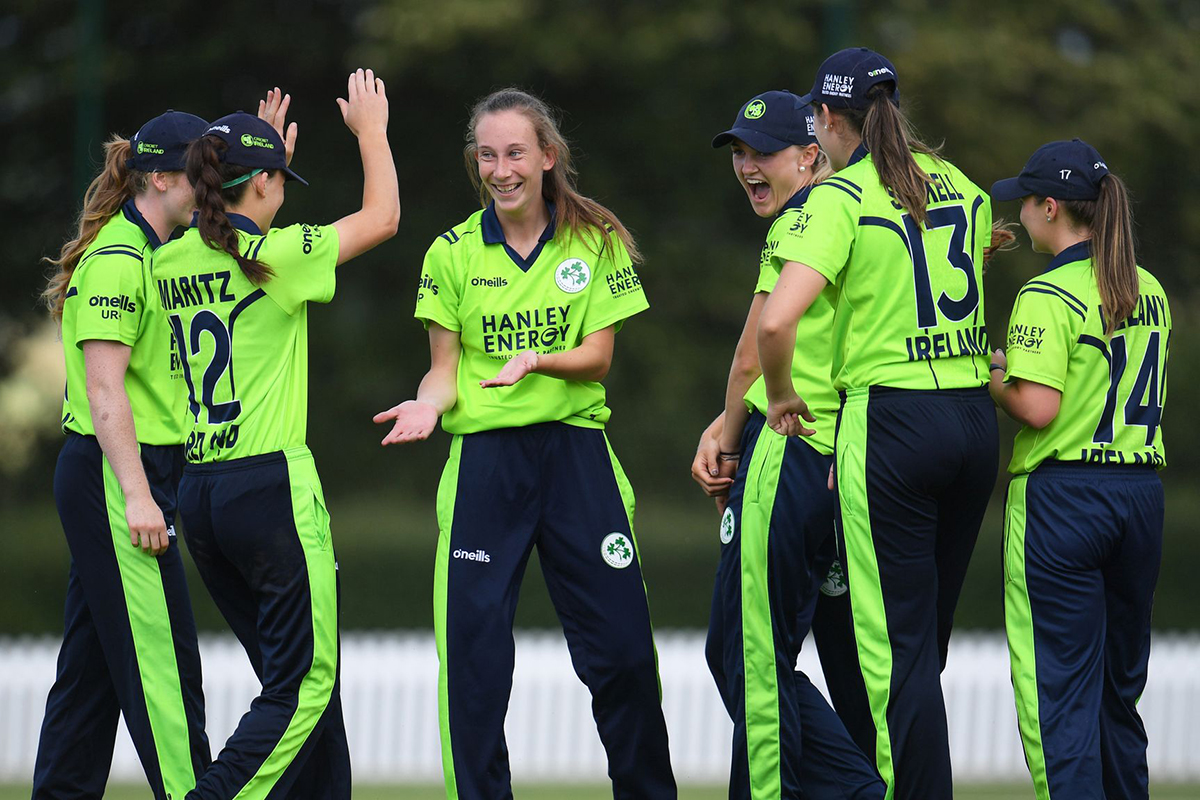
[802, 168]
[1047, 218]
[826, 127]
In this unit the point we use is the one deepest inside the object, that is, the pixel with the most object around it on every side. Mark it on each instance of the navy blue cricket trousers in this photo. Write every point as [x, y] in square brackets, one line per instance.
[1083, 544]
[560, 488]
[777, 545]
[129, 640]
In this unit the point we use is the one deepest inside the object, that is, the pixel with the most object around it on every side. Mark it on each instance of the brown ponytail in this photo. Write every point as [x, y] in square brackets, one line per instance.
[892, 140]
[1110, 220]
[575, 212]
[206, 173]
[104, 197]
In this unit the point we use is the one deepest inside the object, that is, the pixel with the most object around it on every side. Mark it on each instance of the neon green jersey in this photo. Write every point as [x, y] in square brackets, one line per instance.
[813, 359]
[501, 304]
[1113, 391]
[107, 299]
[246, 346]
[909, 310]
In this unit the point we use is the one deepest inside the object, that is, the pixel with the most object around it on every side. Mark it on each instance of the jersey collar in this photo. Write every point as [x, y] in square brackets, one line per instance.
[858, 155]
[795, 201]
[131, 212]
[239, 221]
[1080, 251]
[494, 234]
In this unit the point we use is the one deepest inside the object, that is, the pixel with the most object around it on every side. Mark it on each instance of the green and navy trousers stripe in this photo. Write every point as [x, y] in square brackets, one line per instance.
[1082, 547]
[777, 546]
[129, 641]
[915, 470]
[259, 532]
[559, 488]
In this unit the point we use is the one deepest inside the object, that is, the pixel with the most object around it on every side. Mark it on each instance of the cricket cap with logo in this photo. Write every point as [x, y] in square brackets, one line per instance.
[770, 122]
[161, 144]
[846, 76]
[252, 142]
[1062, 170]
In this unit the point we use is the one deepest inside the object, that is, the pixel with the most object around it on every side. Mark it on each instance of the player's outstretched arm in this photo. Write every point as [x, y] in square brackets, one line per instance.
[416, 419]
[105, 363]
[365, 112]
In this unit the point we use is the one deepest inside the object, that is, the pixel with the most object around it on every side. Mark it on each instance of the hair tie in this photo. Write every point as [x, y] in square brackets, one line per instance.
[242, 179]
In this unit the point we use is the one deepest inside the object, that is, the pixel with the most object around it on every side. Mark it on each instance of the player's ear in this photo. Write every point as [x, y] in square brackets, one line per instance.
[551, 159]
[259, 182]
[160, 181]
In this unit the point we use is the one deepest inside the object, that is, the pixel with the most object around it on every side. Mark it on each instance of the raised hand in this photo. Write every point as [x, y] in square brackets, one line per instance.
[274, 111]
[365, 109]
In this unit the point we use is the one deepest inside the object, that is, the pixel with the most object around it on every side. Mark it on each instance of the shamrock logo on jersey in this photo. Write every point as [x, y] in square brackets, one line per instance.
[835, 581]
[727, 524]
[572, 275]
[617, 550]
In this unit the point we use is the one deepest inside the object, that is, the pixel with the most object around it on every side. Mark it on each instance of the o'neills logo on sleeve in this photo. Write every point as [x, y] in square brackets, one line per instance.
[837, 85]
[541, 329]
[111, 307]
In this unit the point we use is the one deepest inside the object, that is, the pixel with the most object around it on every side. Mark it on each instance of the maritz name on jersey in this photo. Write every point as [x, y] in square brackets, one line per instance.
[195, 290]
[1151, 310]
[623, 281]
[968, 342]
[525, 330]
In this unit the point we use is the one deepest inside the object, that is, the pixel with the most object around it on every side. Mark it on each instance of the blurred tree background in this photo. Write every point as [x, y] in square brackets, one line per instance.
[643, 86]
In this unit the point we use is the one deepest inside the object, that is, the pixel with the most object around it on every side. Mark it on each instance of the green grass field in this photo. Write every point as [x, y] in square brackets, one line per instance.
[590, 791]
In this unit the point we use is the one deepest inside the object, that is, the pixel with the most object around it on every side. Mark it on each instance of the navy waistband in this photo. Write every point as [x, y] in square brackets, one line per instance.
[967, 393]
[149, 449]
[235, 464]
[1090, 470]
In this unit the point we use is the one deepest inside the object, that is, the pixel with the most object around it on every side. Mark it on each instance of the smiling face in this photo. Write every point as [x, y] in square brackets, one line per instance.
[511, 162]
[770, 179]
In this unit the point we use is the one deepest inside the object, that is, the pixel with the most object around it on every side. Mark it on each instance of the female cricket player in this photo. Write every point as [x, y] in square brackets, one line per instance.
[129, 642]
[1085, 375]
[522, 302]
[777, 529]
[901, 234]
[236, 292]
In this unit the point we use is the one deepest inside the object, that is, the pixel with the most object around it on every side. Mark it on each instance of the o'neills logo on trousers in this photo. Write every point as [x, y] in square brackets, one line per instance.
[472, 555]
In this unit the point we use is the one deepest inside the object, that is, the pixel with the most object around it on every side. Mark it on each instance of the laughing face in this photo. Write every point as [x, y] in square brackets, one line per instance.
[770, 179]
[511, 162]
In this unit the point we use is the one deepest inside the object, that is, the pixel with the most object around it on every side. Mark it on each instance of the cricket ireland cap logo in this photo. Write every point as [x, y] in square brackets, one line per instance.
[617, 550]
[835, 581]
[727, 524]
[572, 275]
[755, 109]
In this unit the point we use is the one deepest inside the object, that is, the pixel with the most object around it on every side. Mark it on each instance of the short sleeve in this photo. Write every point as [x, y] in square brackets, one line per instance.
[1042, 329]
[616, 289]
[438, 292]
[822, 234]
[111, 298]
[769, 264]
[303, 259]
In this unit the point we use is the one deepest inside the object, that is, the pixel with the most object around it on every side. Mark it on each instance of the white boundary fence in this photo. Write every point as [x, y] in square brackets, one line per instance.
[389, 691]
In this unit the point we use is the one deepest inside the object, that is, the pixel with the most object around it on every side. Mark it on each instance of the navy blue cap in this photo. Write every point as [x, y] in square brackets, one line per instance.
[1062, 170]
[770, 122]
[161, 144]
[252, 142]
[844, 78]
